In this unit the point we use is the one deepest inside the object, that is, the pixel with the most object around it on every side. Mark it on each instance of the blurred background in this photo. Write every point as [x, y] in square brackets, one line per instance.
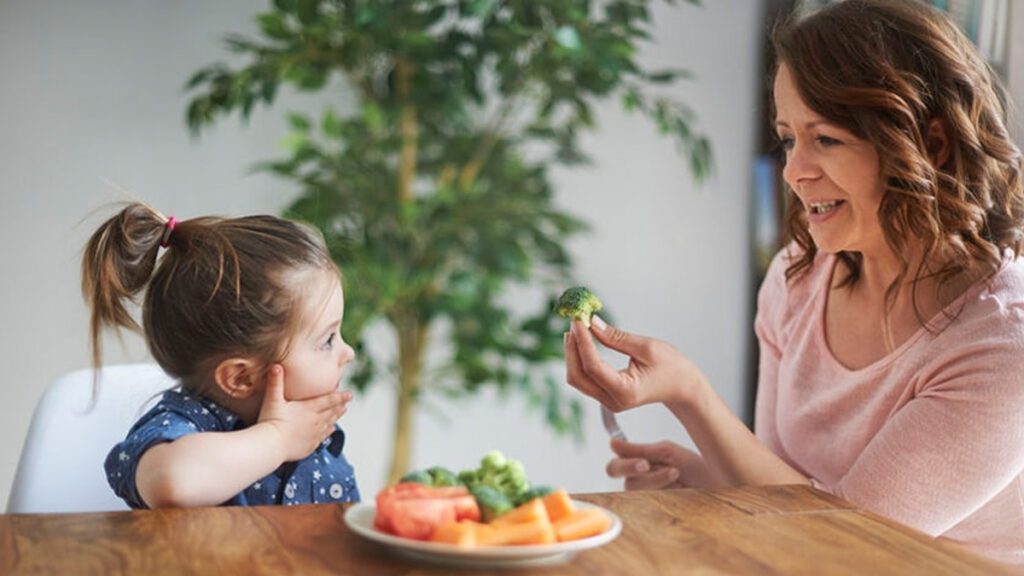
[92, 113]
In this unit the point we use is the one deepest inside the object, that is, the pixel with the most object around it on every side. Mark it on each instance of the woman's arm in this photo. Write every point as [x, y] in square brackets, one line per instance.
[658, 373]
[728, 447]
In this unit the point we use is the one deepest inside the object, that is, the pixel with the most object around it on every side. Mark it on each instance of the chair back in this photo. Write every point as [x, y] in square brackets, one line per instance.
[61, 464]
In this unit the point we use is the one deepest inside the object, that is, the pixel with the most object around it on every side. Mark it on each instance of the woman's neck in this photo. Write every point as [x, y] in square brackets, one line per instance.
[920, 290]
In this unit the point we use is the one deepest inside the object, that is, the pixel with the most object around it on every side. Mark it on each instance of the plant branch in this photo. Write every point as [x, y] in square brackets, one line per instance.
[410, 134]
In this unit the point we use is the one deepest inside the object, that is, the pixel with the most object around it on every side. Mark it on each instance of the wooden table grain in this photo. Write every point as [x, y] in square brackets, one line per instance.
[752, 530]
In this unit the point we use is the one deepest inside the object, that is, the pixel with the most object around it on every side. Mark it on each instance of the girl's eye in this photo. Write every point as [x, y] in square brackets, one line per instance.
[330, 341]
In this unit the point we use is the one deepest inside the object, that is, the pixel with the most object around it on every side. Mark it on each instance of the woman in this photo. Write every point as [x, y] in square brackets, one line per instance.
[891, 329]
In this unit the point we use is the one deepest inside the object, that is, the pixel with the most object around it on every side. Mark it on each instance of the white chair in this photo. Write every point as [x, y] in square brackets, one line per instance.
[61, 465]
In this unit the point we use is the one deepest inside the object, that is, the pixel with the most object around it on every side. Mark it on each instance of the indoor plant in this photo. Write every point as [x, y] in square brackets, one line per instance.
[432, 186]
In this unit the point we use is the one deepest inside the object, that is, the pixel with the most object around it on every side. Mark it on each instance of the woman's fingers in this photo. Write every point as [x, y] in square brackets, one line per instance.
[633, 459]
[631, 345]
[592, 367]
[644, 466]
[627, 467]
[654, 480]
[627, 449]
[576, 374]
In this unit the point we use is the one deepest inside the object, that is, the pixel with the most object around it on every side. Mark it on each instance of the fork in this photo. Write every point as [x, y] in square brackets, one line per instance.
[611, 424]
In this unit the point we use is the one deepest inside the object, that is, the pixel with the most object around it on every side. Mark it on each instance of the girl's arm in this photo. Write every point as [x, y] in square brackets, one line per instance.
[209, 468]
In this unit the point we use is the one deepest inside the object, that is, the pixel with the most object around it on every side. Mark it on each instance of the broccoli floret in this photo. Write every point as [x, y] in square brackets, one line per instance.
[533, 493]
[469, 478]
[493, 460]
[492, 502]
[419, 477]
[578, 302]
[441, 476]
[433, 476]
[503, 474]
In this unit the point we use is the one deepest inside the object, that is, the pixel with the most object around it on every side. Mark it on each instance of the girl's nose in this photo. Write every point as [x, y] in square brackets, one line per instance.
[347, 353]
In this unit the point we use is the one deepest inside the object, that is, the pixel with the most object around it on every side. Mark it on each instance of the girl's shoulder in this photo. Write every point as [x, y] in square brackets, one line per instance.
[202, 412]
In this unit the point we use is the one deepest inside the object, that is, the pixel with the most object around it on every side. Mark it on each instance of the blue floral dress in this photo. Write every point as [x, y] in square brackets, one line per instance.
[323, 476]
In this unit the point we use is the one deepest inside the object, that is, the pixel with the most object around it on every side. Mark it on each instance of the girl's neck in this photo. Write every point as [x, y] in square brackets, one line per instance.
[247, 409]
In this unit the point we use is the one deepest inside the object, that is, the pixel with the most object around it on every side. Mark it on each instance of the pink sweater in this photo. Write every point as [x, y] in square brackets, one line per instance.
[932, 435]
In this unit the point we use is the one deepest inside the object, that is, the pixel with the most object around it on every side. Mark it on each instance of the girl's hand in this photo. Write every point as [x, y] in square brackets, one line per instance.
[657, 466]
[657, 372]
[302, 424]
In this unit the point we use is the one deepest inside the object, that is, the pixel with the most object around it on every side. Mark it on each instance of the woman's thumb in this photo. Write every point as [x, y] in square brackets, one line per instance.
[627, 449]
[614, 338]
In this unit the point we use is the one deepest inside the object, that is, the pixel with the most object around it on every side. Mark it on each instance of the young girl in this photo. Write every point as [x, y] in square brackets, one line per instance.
[246, 313]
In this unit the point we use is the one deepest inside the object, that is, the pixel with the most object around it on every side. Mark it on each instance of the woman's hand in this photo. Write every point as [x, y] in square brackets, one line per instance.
[660, 465]
[657, 372]
[301, 424]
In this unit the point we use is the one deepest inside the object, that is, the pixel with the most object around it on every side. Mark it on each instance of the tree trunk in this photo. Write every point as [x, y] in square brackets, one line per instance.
[411, 337]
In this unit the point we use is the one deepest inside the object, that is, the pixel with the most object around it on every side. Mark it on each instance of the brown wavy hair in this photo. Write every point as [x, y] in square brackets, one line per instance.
[222, 287]
[884, 70]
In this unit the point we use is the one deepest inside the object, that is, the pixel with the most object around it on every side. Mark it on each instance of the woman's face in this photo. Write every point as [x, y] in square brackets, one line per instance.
[835, 174]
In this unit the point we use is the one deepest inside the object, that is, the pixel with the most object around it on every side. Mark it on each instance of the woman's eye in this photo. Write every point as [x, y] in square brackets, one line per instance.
[828, 141]
[786, 142]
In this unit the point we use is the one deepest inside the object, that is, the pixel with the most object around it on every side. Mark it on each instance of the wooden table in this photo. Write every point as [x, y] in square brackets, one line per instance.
[765, 530]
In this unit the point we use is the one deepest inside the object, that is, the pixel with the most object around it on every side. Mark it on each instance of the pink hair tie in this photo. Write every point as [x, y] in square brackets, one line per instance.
[168, 228]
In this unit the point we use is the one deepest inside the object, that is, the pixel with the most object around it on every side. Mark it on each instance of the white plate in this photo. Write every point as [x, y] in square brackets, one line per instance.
[360, 519]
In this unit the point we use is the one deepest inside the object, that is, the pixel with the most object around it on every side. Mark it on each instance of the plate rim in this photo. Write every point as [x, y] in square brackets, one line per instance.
[356, 516]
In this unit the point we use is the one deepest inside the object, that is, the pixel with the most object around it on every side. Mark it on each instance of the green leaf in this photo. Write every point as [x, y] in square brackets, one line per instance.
[272, 24]
[299, 122]
[373, 116]
[332, 124]
[294, 141]
[668, 76]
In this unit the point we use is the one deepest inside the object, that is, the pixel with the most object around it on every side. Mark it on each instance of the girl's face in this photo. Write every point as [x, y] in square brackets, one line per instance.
[835, 175]
[318, 355]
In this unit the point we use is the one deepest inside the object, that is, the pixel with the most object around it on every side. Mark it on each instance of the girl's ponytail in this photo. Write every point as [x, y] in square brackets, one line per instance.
[117, 265]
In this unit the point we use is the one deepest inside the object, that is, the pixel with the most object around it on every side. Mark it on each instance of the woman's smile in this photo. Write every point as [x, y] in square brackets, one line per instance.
[820, 211]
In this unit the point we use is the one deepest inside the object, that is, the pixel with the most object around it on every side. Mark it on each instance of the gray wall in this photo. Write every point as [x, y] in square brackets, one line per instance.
[91, 110]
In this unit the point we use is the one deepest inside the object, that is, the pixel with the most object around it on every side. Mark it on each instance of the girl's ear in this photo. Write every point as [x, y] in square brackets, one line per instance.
[937, 142]
[237, 377]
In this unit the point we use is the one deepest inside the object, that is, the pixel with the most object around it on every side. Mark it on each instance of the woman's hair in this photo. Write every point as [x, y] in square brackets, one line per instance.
[222, 287]
[884, 70]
